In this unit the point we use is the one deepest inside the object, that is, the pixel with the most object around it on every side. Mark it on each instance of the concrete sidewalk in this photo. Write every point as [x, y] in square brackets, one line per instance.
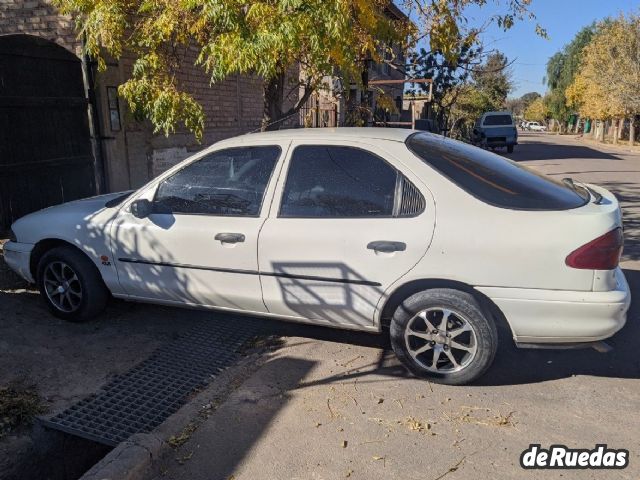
[323, 410]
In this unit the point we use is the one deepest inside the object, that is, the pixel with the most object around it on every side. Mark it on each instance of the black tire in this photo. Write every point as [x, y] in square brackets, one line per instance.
[464, 309]
[509, 148]
[93, 292]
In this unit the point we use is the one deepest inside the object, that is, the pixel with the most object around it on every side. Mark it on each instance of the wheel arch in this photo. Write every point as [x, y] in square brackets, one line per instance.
[45, 245]
[407, 289]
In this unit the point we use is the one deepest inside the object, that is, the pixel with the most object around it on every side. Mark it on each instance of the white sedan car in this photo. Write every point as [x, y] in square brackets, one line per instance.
[383, 230]
[536, 127]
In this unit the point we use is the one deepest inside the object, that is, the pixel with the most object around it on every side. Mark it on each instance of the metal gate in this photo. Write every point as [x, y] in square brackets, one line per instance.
[45, 148]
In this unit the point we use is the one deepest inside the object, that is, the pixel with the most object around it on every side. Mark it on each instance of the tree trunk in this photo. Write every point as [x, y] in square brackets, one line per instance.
[273, 102]
[632, 130]
[364, 97]
[616, 129]
[601, 132]
[274, 98]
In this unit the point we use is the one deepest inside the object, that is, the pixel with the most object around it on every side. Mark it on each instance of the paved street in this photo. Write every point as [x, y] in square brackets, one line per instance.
[332, 405]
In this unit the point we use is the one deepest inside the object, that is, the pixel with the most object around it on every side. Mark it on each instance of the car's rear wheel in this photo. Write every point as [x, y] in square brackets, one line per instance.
[71, 285]
[444, 335]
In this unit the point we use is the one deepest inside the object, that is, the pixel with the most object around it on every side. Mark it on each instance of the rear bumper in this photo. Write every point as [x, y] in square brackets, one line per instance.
[559, 316]
[500, 141]
[18, 257]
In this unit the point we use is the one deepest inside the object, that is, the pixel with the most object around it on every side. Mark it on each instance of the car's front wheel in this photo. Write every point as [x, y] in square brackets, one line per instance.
[71, 284]
[444, 335]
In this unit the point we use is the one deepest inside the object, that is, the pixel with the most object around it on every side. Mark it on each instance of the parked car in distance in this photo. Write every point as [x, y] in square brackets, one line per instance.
[536, 127]
[495, 129]
[432, 241]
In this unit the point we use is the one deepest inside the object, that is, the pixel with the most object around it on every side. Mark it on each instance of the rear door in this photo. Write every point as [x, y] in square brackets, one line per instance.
[346, 222]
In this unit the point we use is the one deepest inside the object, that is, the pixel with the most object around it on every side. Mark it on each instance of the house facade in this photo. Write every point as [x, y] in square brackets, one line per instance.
[65, 134]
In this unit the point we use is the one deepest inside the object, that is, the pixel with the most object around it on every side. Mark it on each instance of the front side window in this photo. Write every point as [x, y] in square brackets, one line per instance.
[228, 182]
[338, 182]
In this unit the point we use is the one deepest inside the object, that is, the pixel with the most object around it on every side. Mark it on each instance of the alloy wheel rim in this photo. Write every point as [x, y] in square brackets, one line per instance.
[62, 286]
[441, 340]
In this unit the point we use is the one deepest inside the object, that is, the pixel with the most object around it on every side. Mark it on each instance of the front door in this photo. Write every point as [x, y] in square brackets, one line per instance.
[199, 246]
[349, 224]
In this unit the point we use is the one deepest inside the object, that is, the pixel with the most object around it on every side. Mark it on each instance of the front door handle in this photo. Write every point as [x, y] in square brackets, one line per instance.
[387, 246]
[230, 237]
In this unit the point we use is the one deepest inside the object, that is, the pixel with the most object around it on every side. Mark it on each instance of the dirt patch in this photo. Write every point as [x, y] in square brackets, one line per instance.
[19, 404]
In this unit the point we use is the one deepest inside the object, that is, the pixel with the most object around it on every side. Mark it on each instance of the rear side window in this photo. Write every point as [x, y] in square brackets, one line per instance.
[337, 182]
[346, 182]
[494, 179]
[498, 120]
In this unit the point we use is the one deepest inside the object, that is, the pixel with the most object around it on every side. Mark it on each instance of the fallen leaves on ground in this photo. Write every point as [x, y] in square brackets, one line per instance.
[18, 405]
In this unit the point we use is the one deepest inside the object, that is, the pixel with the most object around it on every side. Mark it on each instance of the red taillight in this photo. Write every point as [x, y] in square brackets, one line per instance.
[603, 253]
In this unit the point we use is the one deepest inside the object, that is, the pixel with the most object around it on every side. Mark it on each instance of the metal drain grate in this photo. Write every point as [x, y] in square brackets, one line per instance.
[146, 395]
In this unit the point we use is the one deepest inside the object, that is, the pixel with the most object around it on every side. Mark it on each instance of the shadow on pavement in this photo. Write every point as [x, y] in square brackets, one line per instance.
[226, 439]
[535, 150]
[628, 194]
[512, 366]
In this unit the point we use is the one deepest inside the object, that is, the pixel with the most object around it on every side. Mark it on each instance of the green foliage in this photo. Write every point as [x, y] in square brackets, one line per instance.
[562, 68]
[493, 80]
[606, 85]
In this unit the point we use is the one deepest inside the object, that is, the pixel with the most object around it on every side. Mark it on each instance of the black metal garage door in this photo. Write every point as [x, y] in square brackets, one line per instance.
[45, 148]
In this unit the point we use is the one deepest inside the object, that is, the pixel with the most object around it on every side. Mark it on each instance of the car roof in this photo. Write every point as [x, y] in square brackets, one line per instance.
[497, 113]
[351, 133]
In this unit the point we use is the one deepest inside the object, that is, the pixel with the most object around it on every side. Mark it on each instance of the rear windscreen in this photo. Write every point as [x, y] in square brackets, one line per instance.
[493, 120]
[494, 179]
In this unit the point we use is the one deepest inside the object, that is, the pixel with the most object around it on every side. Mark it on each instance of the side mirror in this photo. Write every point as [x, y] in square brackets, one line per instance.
[141, 208]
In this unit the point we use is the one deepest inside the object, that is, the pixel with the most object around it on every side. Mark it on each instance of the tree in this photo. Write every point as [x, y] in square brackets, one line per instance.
[606, 86]
[493, 80]
[487, 89]
[269, 38]
[537, 111]
[517, 106]
[562, 69]
[446, 75]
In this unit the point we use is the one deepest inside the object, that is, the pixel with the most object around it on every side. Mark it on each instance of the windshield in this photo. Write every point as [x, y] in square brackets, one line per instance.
[494, 120]
[494, 179]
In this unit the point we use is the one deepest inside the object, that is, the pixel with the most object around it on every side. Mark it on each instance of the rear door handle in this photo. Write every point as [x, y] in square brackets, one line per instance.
[230, 237]
[387, 246]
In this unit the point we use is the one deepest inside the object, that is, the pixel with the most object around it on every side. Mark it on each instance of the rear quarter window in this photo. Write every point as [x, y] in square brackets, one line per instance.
[493, 179]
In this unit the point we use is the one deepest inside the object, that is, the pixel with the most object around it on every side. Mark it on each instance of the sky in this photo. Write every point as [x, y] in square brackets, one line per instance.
[562, 19]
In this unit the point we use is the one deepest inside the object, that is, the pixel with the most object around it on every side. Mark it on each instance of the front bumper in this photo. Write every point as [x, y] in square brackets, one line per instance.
[559, 316]
[18, 257]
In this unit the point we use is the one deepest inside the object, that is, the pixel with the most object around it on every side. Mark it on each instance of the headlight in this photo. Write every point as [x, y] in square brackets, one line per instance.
[12, 236]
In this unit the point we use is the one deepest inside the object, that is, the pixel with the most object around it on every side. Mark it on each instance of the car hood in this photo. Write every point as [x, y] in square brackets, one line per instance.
[63, 221]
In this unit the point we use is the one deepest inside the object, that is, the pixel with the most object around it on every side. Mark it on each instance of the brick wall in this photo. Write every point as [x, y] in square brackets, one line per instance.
[232, 107]
[38, 17]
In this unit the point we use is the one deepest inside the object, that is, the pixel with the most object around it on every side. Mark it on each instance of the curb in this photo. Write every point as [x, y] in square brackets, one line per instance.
[133, 459]
[130, 460]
